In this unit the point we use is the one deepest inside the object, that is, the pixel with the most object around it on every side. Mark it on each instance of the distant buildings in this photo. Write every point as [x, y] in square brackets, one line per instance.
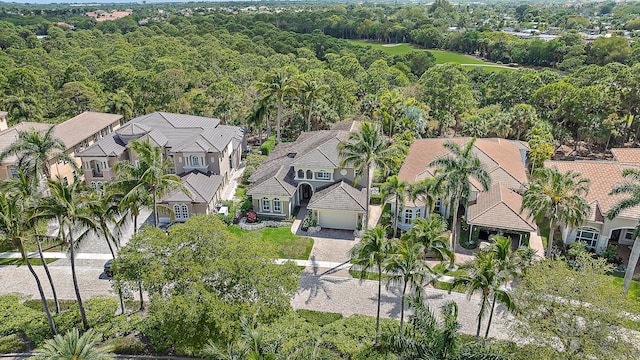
[101, 15]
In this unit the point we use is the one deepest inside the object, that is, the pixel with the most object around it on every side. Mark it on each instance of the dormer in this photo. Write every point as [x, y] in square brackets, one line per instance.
[132, 131]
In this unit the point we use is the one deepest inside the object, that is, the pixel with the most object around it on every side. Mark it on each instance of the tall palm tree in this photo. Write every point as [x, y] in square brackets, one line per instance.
[35, 149]
[25, 189]
[150, 175]
[69, 206]
[455, 172]
[557, 197]
[73, 346]
[396, 189]
[431, 233]
[485, 275]
[310, 89]
[426, 191]
[631, 187]
[120, 103]
[364, 150]
[276, 86]
[14, 225]
[407, 266]
[371, 253]
[23, 108]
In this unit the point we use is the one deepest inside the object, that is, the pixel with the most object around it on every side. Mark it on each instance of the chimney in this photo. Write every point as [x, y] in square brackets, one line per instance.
[3, 121]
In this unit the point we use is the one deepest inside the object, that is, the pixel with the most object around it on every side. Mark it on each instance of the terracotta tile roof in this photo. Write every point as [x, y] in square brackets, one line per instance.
[603, 175]
[501, 158]
[628, 156]
[500, 208]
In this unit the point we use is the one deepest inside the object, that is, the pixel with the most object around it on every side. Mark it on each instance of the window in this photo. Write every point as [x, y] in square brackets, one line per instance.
[323, 175]
[93, 185]
[277, 207]
[588, 236]
[98, 185]
[418, 213]
[629, 235]
[309, 174]
[438, 205]
[408, 216]
[181, 212]
[300, 174]
[65, 181]
[75, 176]
[14, 172]
[195, 161]
[265, 205]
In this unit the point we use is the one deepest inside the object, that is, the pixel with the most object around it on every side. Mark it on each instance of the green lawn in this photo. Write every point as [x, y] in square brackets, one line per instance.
[393, 50]
[443, 57]
[634, 289]
[241, 190]
[288, 245]
[33, 261]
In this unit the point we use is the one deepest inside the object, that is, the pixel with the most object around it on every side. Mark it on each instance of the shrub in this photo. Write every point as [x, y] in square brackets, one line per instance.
[129, 345]
[308, 221]
[12, 344]
[17, 318]
[248, 171]
[252, 216]
[318, 317]
[246, 204]
[611, 254]
[268, 145]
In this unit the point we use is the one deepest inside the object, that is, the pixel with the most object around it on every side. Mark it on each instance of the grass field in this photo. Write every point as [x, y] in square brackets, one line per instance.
[288, 245]
[442, 57]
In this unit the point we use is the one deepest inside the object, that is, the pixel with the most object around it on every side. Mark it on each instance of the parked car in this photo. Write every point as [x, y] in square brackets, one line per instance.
[107, 269]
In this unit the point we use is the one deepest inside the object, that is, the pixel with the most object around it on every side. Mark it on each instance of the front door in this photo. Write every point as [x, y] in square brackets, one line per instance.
[306, 192]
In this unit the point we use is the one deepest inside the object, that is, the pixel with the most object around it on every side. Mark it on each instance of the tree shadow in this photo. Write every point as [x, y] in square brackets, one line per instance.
[317, 285]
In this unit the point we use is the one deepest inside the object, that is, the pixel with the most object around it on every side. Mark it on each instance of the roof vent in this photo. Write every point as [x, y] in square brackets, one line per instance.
[291, 155]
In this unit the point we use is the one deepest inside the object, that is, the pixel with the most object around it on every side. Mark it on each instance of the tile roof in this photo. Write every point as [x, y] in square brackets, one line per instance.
[108, 146]
[83, 126]
[10, 136]
[176, 131]
[603, 176]
[202, 187]
[500, 208]
[339, 196]
[315, 148]
[347, 126]
[501, 158]
[627, 156]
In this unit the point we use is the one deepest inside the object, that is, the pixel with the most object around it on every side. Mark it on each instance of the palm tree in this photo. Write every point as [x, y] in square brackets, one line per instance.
[14, 226]
[396, 189]
[431, 339]
[258, 113]
[23, 108]
[25, 190]
[150, 175]
[371, 253]
[432, 234]
[426, 191]
[407, 266]
[120, 103]
[35, 149]
[73, 346]
[486, 276]
[276, 86]
[364, 150]
[557, 197]
[631, 187]
[455, 171]
[250, 345]
[69, 206]
[310, 89]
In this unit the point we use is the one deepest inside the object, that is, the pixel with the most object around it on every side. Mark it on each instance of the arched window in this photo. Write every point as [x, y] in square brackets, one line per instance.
[195, 160]
[277, 206]
[309, 174]
[93, 185]
[266, 205]
[589, 236]
[181, 212]
[300, 174]
[408, 216]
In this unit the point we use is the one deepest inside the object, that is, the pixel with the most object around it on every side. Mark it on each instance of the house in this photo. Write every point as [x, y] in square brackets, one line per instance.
[76, 134]
[307, 174]
[597, 231]
[202, 152]
[489, 212]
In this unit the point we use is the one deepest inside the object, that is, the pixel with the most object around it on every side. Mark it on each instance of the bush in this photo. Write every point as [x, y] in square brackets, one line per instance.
[611, 254]
[127, 346]
[248, 171]
[246, 204]
[268, 145]
[318, 317]
[12, 344]
[308, 221]
[252, 216]
[17, 318]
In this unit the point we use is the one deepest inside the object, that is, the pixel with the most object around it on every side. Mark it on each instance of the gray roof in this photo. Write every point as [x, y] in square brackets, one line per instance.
[175, 131]
[202, 187]
[10, 136]
[339, 196]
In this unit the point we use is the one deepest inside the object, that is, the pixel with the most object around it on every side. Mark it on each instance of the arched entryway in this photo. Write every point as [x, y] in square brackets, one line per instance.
[305, 191]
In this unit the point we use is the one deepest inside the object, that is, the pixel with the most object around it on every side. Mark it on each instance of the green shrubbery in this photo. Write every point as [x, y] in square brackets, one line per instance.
[126, 345]
[12, 344]
[308, 221]
[319, 318]
[268, 145]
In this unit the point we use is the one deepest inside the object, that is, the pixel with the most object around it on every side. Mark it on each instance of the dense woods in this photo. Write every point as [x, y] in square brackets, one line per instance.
[212, 63]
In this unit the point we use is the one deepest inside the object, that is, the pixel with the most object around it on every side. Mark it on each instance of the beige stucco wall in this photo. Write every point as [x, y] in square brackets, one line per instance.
[285, 206]
[605, 230]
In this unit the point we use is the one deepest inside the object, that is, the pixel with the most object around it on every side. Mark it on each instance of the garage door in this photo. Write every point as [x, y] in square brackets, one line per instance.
[338, 220]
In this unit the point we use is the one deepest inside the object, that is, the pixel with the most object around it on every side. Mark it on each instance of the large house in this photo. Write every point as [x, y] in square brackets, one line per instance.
[598, 231]
[203, 153]
[307, 173]
[494, 211]
[76, 134]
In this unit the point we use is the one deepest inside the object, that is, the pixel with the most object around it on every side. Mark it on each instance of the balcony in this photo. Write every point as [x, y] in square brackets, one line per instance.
[97, 174]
